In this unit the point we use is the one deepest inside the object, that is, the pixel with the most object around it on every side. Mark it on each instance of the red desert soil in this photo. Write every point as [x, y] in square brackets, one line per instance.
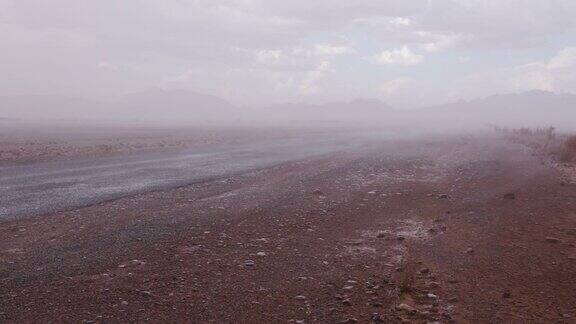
[472, 230]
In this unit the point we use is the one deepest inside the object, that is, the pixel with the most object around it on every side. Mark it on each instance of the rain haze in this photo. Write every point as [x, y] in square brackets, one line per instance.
[256, 161]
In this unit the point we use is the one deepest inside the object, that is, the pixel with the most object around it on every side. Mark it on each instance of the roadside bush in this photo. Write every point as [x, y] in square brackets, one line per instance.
[569, 149]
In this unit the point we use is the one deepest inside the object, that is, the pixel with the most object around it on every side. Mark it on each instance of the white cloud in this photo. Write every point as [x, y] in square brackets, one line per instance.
[327, 49]
[556, 74]
[310, 84]
[533, 76]
[401, 21]
[439, 42]
[403, 56]
[105, 65]
[395, 86]
[565, 58]
[264, 56]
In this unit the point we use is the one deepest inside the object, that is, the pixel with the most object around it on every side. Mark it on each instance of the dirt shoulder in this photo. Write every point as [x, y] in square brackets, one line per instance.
[466, 230]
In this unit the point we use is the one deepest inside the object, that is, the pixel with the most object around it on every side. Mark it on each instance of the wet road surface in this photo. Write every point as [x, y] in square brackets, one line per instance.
[49, 187]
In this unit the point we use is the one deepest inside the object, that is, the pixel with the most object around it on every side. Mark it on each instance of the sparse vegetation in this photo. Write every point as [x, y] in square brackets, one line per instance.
[568, 152]
[560, 147]
[406, 278]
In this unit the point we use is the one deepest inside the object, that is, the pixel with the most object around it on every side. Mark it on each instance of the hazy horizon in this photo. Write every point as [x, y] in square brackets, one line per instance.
[413, 53]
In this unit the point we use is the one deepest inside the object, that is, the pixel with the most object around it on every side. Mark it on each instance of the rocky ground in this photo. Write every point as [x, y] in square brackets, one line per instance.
[472, 229]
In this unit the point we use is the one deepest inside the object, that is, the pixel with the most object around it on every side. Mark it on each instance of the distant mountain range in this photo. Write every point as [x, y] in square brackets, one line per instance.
[177, 105]
[52, 107]
[153, 105]
[534, 108]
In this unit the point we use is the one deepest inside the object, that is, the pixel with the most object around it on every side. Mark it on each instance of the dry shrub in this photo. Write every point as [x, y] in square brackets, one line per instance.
[568, 153]
[406, 278]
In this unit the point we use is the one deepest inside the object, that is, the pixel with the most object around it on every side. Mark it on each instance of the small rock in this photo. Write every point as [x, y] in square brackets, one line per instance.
[249, 263]
[347, 302]
[443, 196]
[406, 308]
[350, 320]
[348, 287]
[261, 254]
[430, 295]
[124, 303]
[552, 240]
[376, 318]
[318, 192]
[433, 284]
[300, 297]
[469, 251]
[510, 196]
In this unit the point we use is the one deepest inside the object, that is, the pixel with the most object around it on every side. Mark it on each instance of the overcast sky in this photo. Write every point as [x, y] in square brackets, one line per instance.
[405, 52]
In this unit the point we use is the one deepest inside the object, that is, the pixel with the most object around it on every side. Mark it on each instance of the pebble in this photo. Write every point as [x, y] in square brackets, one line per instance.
[405, 307]
[433, 284]
[300, 297]
[510, 196]
[249, 263]
[146, 293]
[376, 318]
[318, 192]
[552, 240]
[262, 254]
[469, 251]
